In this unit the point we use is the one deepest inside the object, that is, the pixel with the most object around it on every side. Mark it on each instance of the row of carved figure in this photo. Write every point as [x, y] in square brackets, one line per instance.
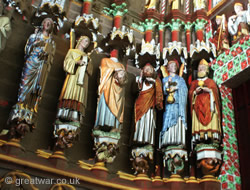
[203, 96]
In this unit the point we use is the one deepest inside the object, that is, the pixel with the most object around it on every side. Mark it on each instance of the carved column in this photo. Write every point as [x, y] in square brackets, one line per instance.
[188, 26]
[87, 4]
[161, 35]
[117, 11]
[199, 28]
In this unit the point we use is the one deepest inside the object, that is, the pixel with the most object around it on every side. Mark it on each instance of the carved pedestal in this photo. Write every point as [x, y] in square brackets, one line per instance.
[209, 159]
[106, 145]
[174, 159]
[141, 156]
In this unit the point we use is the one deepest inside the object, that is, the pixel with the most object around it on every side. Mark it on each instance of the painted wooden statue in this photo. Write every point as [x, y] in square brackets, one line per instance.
[110, 108]
[39, 54]
[73, 98]
[199, 4]
[238, 24]
[205, 107]
[150, 97]
[174, 118]
[220, 38]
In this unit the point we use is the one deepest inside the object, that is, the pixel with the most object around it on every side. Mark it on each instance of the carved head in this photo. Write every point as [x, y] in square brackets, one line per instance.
[203, 69]
[218, 19]
[148, 70]
[83, 42]
[238, 7]
[121, 77]
[172, 66]
[48, 24]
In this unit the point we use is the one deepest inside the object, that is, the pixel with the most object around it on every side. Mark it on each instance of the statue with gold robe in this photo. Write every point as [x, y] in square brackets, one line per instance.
[73, 98]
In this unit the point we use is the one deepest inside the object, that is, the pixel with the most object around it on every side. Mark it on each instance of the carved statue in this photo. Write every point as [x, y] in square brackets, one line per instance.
[220, 38]
[150, 4]
[150, 98]
[199, 4]
[39, 53]
[174, 118]
[238, 24]
[5, 27]
[205, 107]
[110, 108]
[73, 98]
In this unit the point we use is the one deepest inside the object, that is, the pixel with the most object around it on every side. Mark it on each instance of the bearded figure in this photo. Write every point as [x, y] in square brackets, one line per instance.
[205, 107]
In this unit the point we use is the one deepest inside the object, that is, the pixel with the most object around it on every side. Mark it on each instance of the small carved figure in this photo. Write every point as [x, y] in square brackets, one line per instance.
[238, 24]
[220, 38]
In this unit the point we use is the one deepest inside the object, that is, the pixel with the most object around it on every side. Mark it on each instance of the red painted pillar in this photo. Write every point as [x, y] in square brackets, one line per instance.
[199, 34]
[175, 35]
[148, 35]
[188, 36]
[86, 7]
[117, 21]
[161, 39]
[209, 5]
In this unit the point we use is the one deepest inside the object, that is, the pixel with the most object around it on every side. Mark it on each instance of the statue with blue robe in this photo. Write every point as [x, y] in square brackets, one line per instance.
[174, 118]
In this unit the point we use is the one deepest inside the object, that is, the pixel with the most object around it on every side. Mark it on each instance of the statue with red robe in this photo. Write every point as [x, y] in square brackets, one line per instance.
[205, 107]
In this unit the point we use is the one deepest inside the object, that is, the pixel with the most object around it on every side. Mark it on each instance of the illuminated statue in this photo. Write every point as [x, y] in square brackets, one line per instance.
[220, 38]
[174, 118]
[205, 107]
[39, 53]
[238, 24]
[73, 98]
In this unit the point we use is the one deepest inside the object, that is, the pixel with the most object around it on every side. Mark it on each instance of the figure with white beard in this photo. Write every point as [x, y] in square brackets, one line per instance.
[205, 107]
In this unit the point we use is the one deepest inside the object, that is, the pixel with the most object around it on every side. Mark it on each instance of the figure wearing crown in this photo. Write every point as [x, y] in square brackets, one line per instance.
[205, 107]
[238, 24]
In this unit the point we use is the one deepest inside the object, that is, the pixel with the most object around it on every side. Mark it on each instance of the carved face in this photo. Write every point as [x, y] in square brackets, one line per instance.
[121, 77]
[202, 70]
[148, 71]
[218, 21]
[48, 24]
[172, 67]
[84, 43]
[238, 9]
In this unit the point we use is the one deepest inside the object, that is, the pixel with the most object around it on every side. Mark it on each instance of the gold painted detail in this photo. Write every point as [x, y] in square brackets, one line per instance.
[175, 178]
[62, 186]
[59, 155]
[126, 176]
[143, 177]
[43, 154]
[99, 166]
[85, 165]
